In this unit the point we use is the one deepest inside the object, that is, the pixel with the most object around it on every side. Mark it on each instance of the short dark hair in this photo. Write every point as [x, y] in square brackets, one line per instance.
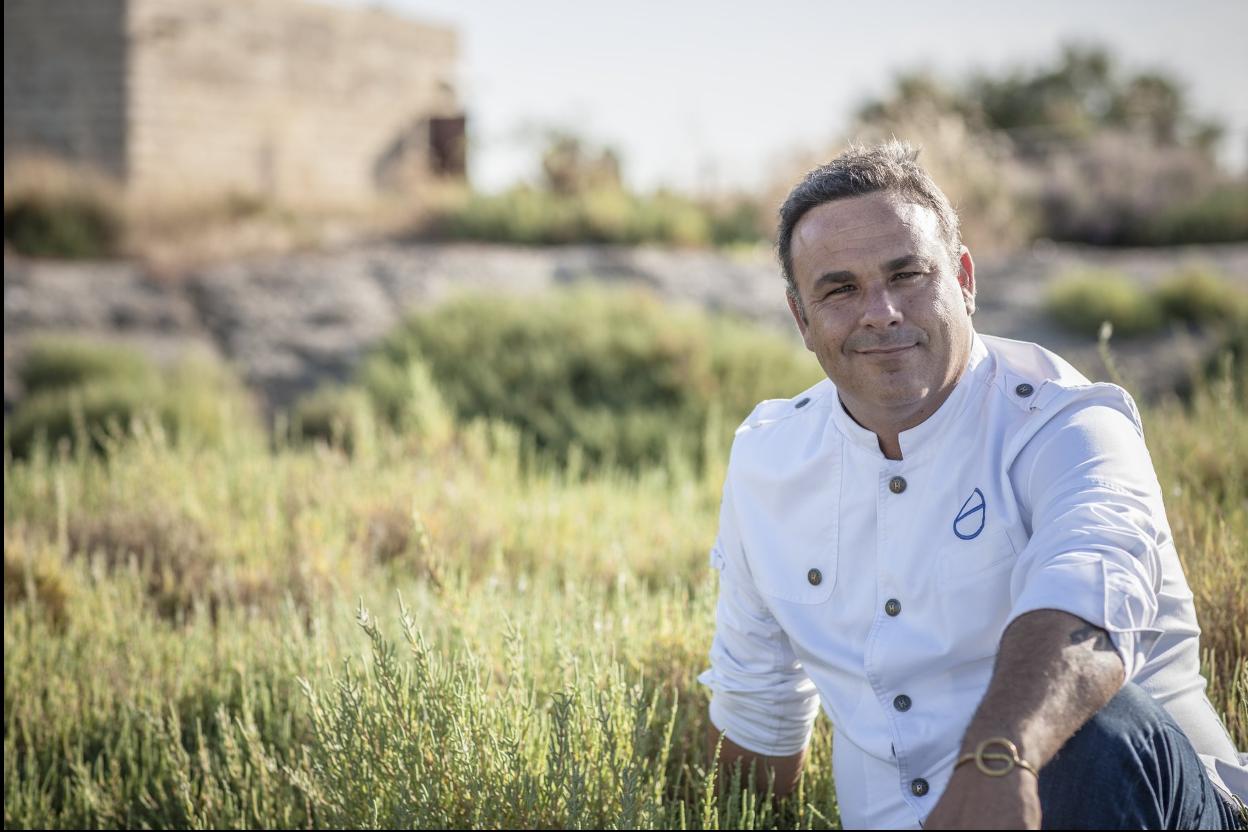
[864, 169]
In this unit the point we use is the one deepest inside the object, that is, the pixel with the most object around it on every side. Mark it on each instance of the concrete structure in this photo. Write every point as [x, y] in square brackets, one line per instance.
[278, 98]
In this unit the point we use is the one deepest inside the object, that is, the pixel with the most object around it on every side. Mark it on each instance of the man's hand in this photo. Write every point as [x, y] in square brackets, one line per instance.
[974, 800]
[1053, 672]
[787, 770]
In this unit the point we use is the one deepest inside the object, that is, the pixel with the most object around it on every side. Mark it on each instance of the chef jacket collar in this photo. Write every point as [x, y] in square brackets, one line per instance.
[919, 437]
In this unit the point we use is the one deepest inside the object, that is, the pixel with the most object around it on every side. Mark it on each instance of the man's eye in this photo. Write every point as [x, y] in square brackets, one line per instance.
[904, 275]
[840, 290]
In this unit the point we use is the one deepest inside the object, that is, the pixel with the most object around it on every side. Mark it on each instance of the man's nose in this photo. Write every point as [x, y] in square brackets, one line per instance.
[880, 309]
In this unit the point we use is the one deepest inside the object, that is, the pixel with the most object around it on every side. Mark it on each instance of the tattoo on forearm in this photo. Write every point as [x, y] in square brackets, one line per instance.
[1098, 637]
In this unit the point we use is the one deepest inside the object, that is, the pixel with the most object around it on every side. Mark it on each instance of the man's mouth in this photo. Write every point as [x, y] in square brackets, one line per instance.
[885, 350]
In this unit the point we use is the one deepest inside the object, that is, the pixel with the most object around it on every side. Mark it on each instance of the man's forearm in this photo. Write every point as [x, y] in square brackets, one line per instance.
[787, 769]
[1053, 672]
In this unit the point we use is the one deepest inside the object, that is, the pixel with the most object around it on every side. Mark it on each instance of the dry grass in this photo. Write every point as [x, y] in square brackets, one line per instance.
[552, 629]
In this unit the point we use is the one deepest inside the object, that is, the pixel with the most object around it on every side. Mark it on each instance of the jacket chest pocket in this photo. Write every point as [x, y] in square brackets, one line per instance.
[789, 529]
[980, 558]
[800, 571]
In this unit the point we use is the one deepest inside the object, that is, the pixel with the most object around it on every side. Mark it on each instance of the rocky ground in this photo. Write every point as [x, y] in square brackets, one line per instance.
[289, 323]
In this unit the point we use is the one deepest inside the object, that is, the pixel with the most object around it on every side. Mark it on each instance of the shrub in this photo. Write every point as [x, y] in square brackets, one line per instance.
[203, 401]
[174, 555]
[63, 363]
[334, 415]
[614, 373]
[1082, 301]
[86, 413]
[52, 209]
[70, 225]
[420, 408]
[1198, 295]
[81, 398]
[1217, 216]
[531, 216]
[1195, 295]
[740, 220]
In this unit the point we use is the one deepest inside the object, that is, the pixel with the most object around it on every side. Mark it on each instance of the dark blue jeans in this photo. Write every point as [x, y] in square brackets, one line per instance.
[1131, 767]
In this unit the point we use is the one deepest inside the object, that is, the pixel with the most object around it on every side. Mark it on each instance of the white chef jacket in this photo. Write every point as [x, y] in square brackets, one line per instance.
[882, 587]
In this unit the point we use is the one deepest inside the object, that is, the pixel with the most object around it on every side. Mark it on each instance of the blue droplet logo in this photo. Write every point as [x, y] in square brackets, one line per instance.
[970, 520]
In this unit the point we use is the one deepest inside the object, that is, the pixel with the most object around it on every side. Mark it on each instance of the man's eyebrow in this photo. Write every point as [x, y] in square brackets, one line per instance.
[834, 277]
[912, 261]
[908, 261]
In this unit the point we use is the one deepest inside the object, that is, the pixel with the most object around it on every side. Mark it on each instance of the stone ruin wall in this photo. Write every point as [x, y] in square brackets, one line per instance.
[65, 81]
[288, 99]
[280, 98]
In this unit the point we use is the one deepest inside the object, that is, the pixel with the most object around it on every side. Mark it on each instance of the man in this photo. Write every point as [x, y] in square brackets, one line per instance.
[958, 545]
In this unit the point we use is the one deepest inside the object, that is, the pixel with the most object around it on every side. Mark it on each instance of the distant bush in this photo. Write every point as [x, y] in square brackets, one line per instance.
[1194, 295]
[1116, 189]
[1219, 216]
[85, 392]
[68, 225]
[616, 374]
[533, 216]
[55, 210]
[62, 363]
[1199, 295]
[1082, 301]
[334, 415]
[84, 413]
[580, 197]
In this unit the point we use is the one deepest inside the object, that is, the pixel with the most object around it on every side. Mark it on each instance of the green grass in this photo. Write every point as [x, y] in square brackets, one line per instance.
[433, 630]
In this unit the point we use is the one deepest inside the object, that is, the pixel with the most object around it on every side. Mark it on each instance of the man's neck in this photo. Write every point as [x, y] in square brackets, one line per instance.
[888, 427]
[889, 424]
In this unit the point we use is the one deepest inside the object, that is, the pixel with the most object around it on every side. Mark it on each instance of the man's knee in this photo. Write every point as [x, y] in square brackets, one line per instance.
[1122, 743]
[1132, 718]
[1116, 771]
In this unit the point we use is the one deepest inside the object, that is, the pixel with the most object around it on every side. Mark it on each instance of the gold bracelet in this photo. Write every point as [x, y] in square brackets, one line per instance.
[981, 756]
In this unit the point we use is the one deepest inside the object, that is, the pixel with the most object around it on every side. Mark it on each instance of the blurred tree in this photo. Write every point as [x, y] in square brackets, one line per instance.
[1083, 94]
[1149, 103]
[1077, 150]
[1070, 100]
[571, 166]
[918, 91]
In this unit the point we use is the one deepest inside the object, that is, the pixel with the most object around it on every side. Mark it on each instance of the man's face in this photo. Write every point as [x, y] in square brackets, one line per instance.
[887, 308]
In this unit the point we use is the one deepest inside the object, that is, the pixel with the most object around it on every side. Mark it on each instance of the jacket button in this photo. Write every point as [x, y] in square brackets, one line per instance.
[897, 485]
[918, 787]
[1024, 390]
[815, 577]
[902, 702]
[892, 606]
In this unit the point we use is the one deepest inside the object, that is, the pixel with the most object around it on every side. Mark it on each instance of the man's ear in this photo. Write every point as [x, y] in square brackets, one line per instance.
[799, 317]
[966, 279]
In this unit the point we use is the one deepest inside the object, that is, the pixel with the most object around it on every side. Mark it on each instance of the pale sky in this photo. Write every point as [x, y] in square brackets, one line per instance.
[705, 94]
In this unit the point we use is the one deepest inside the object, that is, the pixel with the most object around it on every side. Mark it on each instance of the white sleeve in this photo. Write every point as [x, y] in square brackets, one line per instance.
[761, 697]
[1097, 523]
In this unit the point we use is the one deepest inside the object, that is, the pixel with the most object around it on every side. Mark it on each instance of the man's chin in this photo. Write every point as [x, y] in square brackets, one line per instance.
[881, 394]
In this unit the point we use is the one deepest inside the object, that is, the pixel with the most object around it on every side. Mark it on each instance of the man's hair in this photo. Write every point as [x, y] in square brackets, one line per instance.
[864, 169]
